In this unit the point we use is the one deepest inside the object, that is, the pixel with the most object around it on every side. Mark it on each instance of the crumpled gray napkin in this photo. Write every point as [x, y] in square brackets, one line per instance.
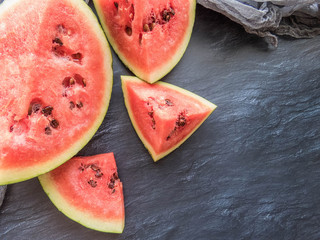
[295, 18]
[2, 193]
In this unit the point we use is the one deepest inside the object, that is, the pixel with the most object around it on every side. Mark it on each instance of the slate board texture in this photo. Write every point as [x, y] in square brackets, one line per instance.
[2, 193]
[251, 171]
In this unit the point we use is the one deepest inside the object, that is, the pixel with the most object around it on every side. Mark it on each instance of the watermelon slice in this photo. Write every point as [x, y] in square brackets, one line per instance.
[149, 36]
[163, 115]
[55, 84]
[88, 190]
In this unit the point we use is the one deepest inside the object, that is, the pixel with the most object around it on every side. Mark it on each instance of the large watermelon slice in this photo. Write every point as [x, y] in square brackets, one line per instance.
[163, 115]
[55, 84]
[149, 36]
[88, 190]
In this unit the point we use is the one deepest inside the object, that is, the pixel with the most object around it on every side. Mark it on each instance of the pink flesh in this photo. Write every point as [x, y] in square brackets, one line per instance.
[100, 201]
[165, 117]
[34, 72]
[146, 51]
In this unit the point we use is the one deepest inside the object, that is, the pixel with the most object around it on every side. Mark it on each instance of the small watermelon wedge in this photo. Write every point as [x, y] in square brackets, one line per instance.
[163, 115]
[55, 84]
[88, 190]
[149, 36]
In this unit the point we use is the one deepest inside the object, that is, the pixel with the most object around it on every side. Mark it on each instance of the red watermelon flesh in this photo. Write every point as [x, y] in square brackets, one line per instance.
[163, 115]
[88, 190]
[56, 81]
[150, 36]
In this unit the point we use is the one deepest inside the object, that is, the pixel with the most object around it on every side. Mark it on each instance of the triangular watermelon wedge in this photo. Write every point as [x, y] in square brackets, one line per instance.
[88, 190]
[163, 115]
[149, 36]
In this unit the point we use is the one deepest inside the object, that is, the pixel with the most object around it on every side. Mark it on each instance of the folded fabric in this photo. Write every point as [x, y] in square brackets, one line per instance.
[295, 18]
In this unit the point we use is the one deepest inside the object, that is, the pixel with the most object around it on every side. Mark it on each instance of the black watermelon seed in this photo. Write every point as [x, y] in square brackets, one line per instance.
[115, 176]
[98, 174]
[94, 167]
[83, 166]
[111, 185]
[54, 123]
[168, 102]
[46, 111]
[58, 41]
[153, 123]
[79, 104]
[181, 121]
[72, 105]
[92, 183]
[34, 108]
[47, 130]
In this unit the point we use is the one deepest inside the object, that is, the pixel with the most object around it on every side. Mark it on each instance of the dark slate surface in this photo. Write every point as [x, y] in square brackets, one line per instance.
[252, 170]
[2, 193]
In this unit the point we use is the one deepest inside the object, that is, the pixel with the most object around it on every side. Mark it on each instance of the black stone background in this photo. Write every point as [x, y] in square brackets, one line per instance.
[251, 171]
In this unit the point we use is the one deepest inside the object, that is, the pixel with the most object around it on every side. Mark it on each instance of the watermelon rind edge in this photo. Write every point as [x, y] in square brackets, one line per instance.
[155, 156]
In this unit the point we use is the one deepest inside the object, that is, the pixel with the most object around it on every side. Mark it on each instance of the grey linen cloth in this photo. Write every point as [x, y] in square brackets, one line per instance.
[295, 18]
[2, 193]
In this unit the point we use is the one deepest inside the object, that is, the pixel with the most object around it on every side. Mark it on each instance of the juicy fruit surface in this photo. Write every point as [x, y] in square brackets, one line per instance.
[150, 36]
[55, 80]
[163, 115]
[89, 191]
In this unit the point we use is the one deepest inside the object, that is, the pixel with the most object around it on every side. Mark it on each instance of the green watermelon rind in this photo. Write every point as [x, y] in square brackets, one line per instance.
[156, 157]
[82, 217]
[165, 69]
[22, 174]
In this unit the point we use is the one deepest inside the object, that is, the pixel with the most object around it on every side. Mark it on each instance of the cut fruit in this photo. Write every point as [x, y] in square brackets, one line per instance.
[163, 115]
[55, 84]
[88, 190]
[149, 36]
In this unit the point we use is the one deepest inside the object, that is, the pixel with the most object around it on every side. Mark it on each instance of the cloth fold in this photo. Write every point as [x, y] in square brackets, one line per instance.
[269, 19]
